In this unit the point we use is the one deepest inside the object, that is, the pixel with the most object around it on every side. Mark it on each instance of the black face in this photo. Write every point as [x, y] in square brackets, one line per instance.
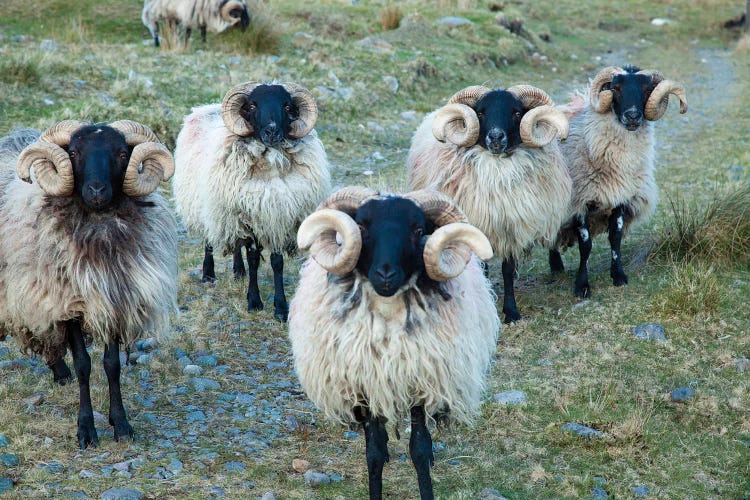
[629, 95]
[270, 111]
[392, 230]
[499, 114]
[99, 155]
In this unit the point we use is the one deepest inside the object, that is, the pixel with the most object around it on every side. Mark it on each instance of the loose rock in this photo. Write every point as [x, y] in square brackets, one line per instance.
[9, 459]
[234, 466]
[313, 478]
[203, 384]
[268, 495]
[510, 397]
[454, 21]
[192, 370]
[121, 494]
[3, 441]
[682, 394]
[650, 331]
[742, 364]
[300, 465]
[581, 430]
[6, 484]
[303, 40]
[640, 491]
[376, 45]
[35, 400]
[490, 494]
[391, 82]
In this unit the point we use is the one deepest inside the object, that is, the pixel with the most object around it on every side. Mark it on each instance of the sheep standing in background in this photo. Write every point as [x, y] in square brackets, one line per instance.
[248, 172]
[88, 250]
[397, 319]
[495, 153]
[214, 15]
[610, 155]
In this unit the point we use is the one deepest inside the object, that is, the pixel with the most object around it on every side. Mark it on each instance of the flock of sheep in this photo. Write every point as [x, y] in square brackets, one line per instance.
[393, 313]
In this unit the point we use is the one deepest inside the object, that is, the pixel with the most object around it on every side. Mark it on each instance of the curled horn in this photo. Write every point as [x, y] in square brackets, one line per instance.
[158, 164]
[657, 103]
[469, 95]
[456, 123]
[231, 105]
[348, 199]
[601, 100]
[52, 167]
[317, 233]
[226, 11]
[437, 207]
[448, 250]
[540, 125]
[308, 110]
[530, 96]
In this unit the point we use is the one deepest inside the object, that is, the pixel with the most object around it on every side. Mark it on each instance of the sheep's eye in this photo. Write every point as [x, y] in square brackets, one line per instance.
[480, 114]
[616, 88]
[362, 229]
[251, 107]
[287, 107]
[123, 155]
[517, 115]
[418, 232]
[72, 154]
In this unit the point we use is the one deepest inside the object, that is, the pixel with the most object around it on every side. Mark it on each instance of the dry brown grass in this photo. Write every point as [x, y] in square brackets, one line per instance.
[390, 17]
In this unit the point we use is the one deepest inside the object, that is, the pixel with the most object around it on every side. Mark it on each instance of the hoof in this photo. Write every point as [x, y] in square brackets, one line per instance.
[512, 317]
[64, 380]
[208, 279]
[583, 291]
[619, 280]
[240, 275]
[87, 435]
[124, 432]
[281, 315]
[254, 305]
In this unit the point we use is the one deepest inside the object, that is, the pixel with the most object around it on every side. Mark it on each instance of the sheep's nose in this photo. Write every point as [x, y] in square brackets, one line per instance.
[96, 189]
[497, 140]
[386, 274]
[270, 135]
[633, 115]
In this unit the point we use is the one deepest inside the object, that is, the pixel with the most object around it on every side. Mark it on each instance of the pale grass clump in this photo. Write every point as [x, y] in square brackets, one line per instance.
[718, 232]
[24, 71]
[263, 34]
[390, 17]
[692, 289]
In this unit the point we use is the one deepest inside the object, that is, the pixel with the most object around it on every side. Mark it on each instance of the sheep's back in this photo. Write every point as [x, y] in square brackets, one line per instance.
[352, 346]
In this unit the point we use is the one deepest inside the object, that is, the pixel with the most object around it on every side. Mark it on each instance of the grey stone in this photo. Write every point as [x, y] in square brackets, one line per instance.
[351, 435]
[313, 478]
[192, 369]
[217, 492]
[12, 364]
[34, 400]
[234, 466]
[9, 459]
[640, 491]
[144, 374]
[376, 45]
[175, 466]
[172, 434]
[650, 331]
[207, 360]
[203, 384]
[454, 21]
[48, 45]
[121, 494]
[179, 353]
[6, 484]
[742, 364]
[76, 494]
[147, 345]
[597, 493]
[86, 474]
[581, 430]
[3, 441]
[302, 40]
[490, 494]
[80, 83]
[391, 82]
[53, 467]
[183, 362]
[409, 115]
[120, 466]
[599, 481]
[195, 416]
[681, 394]
[375, 127]
[510, 397]
[143, 359]
[268, 495]
[336, 478]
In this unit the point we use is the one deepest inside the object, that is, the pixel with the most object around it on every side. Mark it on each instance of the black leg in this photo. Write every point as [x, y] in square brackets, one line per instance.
[555, 261]
[376, 450]
[238, 266]
[60, 371]
[117, 417]
[156, 35]
[509, 299]
[253, 262]
[209, 275]
[582, 288]
[616, 223]
[82, 362]
[420, 449]
[280, 306]
[203, 34]
[188, 32]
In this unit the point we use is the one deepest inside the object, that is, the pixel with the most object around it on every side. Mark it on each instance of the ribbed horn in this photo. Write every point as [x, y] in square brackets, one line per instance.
[231, 105]
[456, 123]
[601, 100]
[469, 95]
[540, 125]
[308, 110]
[658, 101]
[437, 207]
[317, 233]
[227, 9]
[135, 133]
[158, 165]
[530, 96]
[448, 250]
[53, 169]
[348, 199]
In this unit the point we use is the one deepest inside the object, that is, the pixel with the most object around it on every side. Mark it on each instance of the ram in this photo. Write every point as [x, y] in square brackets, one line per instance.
[212, 15]
[610, 155]
[248, 172]
[398, 319]
[495, 153]
[89, 251]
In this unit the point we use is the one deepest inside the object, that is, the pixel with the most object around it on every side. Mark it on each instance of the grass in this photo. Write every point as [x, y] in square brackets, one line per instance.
[576, 361]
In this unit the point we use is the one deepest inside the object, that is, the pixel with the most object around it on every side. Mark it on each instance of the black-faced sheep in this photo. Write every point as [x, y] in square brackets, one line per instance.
[610, 156]
[248, 172]
[88, 250]
[495, 153]
[212, 15]
[398, 319]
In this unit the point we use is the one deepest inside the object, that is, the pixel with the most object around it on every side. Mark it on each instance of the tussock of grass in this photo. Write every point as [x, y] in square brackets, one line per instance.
[390, 17]
[692, 289]
[24, 71]
[263, 34]
[718, 232]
